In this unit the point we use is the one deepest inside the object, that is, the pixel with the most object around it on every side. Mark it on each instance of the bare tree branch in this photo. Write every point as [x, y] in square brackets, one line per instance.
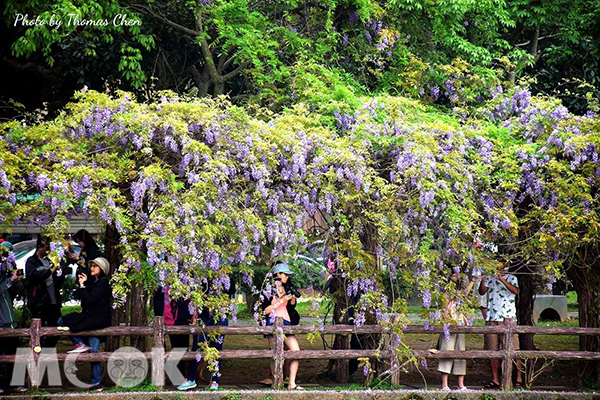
[540, 38]
[235, 72]
[181, 28]
[229, 61]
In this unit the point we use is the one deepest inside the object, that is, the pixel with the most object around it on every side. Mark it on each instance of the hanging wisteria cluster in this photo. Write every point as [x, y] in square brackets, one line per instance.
[196, 189]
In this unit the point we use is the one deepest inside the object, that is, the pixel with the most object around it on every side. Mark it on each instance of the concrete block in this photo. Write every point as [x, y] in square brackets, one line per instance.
[550, 304]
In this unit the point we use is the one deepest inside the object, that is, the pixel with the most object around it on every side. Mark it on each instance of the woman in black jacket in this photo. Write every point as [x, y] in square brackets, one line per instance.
[89, 248]
[95, 295]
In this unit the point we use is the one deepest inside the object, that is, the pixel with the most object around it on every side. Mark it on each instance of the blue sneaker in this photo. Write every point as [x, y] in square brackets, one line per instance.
[213, 386]
[187, 385]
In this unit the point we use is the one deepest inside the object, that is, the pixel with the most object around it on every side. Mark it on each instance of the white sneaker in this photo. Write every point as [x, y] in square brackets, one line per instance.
[446, 389]
[78, 348]
[462, 389]
[187, 385]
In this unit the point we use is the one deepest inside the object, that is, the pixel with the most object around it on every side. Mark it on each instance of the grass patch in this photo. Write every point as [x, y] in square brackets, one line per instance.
[572, 302]
[588, 385]
[304, 307]
[70, 309]
[144, 386]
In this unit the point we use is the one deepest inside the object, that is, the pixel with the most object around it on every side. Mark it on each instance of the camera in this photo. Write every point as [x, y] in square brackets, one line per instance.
[11, 272]
[84, 271]
[291, 289]
[68, 254]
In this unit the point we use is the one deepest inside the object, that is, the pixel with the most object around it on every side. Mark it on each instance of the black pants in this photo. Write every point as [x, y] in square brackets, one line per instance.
[8, 347]
[49, 314]
[354, 345]
[180, 341]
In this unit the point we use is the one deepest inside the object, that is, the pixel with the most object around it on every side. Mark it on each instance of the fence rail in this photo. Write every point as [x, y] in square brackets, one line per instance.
[35, 332]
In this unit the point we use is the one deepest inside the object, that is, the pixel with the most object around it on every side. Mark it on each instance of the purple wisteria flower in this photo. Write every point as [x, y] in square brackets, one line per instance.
[42, 181]
[446, 330]
[4, 179]
[426, 298]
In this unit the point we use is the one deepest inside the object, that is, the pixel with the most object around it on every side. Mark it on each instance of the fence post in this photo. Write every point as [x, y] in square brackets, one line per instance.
[342, 371]
[507, 362]
[394, 361]
[278, 354]
[158, 353]
[36, 346]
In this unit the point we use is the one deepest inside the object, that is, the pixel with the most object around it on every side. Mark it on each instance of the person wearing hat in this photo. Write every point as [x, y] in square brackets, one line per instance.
[279, 305]
[95, 294]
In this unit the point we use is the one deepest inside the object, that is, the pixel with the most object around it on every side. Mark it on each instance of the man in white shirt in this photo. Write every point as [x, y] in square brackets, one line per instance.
[478, 276]
[501, 290]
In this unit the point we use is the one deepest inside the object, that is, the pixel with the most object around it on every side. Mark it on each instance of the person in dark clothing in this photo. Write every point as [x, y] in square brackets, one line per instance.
[10, 286]
[208, 319]
[94, 291]
[89, 248]
[175, 312]
[44, 282]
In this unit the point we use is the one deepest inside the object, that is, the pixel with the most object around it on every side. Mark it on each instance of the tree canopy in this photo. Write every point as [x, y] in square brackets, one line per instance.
[254, 51]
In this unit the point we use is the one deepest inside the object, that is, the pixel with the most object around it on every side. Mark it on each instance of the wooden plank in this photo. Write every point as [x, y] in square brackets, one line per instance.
[300, 329]
[278, 359]
[462, 355]
[226, 330]
[36, 348]
[334, 354]
[343, 354]
[189, 355]
[7, 332]
[111, 331]
[338, 355]
[342, 367]
[508, 349]
[158, 361]
[556, 330]
[394, 361]
[559, 355]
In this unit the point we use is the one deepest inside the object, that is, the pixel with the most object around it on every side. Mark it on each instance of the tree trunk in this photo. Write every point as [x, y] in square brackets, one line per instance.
[340, 367]
[532, 49]
[138, 312]
[163, 79]
[111, 240]
[202, 81]
[525, 305]
[219, 88]
[369, 241]
[533, 44]
[586, 281]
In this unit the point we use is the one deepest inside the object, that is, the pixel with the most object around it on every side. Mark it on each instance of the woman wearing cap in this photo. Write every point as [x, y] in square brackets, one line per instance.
[95, 295]
[278, 307]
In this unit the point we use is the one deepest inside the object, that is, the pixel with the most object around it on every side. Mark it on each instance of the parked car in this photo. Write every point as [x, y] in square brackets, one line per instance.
[24, 250]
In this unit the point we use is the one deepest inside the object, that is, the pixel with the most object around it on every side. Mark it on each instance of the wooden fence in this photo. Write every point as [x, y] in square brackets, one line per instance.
[278, 355]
